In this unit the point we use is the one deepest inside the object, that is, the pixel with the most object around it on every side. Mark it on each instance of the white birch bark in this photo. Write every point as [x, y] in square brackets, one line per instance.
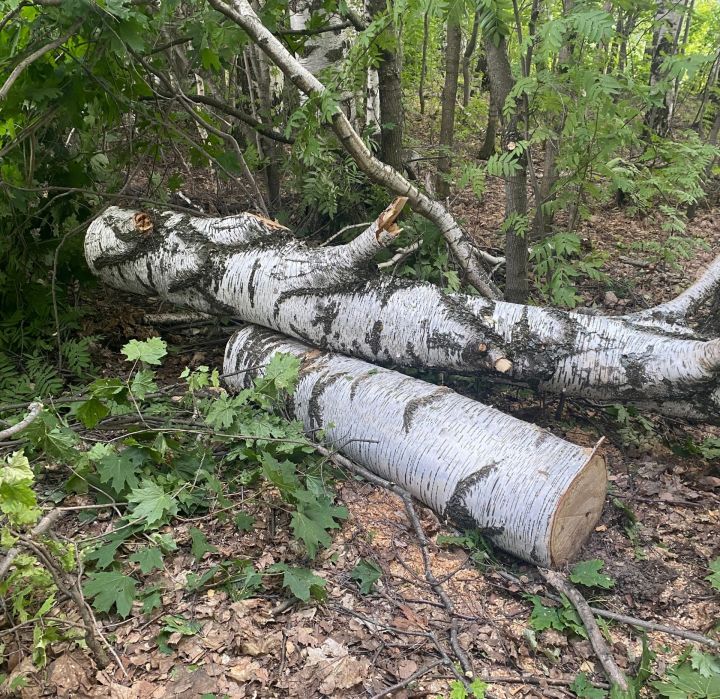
[334, 298]
[467, 255]
[533, 494]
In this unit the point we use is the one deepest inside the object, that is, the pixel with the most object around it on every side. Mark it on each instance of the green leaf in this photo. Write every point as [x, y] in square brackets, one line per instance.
[104, 555]
[281, 374]
[714, 577]
[312, 520]
[111, 589]
[121, 470]
[585, 690]
[366, 573]
[152, 503]
[588, 573]
[244, 522]
[17, 498]
[151, 599]
[200, 545]
[91, 412]
[148, 558]
[303, 583]
[149, 351]
[143, 383]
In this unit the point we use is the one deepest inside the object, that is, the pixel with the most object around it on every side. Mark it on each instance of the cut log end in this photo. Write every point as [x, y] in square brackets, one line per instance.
[503, 365]
[579, 510]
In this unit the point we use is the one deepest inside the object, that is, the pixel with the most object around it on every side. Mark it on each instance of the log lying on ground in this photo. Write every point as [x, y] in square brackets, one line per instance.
[335, 298]
[533, 494]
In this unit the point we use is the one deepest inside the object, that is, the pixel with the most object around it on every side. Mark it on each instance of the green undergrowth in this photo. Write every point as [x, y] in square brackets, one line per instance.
[159, 466]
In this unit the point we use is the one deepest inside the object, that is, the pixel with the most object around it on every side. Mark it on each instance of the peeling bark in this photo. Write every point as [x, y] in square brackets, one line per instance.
[533, 494]
[334, 298]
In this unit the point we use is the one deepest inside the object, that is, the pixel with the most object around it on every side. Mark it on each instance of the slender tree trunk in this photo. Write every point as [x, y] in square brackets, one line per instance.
[516, 245]
[392, 117]
[423, 63]
[668, 21]
[533, 494]
[467, 58]
[488, 147]
[449, 97]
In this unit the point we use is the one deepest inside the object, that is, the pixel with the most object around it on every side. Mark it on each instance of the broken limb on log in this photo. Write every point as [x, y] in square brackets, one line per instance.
[467, 254]
[332, 297]
[533, 494]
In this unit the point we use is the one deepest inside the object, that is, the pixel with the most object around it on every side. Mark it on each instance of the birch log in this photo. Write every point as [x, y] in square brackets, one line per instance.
[334, 298]
[533, 494]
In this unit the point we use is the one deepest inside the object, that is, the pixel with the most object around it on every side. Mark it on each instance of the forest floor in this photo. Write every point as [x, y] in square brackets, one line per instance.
[657, 535]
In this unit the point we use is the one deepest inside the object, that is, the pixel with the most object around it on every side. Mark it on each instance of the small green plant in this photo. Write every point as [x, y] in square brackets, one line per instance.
[366, 574]
[559, 262]
[159, 466]
[696, 675]
[714, 577]
[588, 573]
[475, 690]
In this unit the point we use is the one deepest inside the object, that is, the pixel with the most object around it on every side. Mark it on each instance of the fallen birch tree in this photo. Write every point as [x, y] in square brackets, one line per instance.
[533, 494]
[336, 299]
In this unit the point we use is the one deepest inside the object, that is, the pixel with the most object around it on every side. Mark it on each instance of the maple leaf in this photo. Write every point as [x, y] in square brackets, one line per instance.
[152, 503]
[121, 469]
[91, 412]
[148, 558]
[588, 573]
[303, 583]
[200, 545]
[111, 589]
[313, 518]
[366, 573]
[149, 351]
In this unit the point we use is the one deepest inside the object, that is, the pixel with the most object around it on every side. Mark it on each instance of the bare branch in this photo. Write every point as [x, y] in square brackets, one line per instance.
[33, 411]
[29, 60]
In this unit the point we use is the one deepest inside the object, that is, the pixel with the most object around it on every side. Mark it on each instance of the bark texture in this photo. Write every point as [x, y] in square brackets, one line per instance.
[334, 298]
[453, 42]
[533, 494]
[517, 287]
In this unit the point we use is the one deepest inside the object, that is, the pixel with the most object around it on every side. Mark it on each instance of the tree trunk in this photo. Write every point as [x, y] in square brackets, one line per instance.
[333, 298]
[467, 58]
[668, 20]
[449, 97]
[533, 494]
[423, 62]
[488, 147]
[392, 118]
[516, 245]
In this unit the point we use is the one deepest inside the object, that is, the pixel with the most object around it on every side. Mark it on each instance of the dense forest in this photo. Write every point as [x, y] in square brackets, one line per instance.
[360, 350]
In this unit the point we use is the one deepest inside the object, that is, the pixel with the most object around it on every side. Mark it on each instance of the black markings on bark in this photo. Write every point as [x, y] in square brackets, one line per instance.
[414, 404]
[373, 337]
[314, 409]
[456, 510]
[327, 312]
[251, 281]
[358, 380]
[635, 369]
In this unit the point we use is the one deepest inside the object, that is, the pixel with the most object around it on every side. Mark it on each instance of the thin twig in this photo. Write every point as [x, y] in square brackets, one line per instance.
[34, 56]
[629, 620]
[558, 581]
[40, 528]
[407, 682]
